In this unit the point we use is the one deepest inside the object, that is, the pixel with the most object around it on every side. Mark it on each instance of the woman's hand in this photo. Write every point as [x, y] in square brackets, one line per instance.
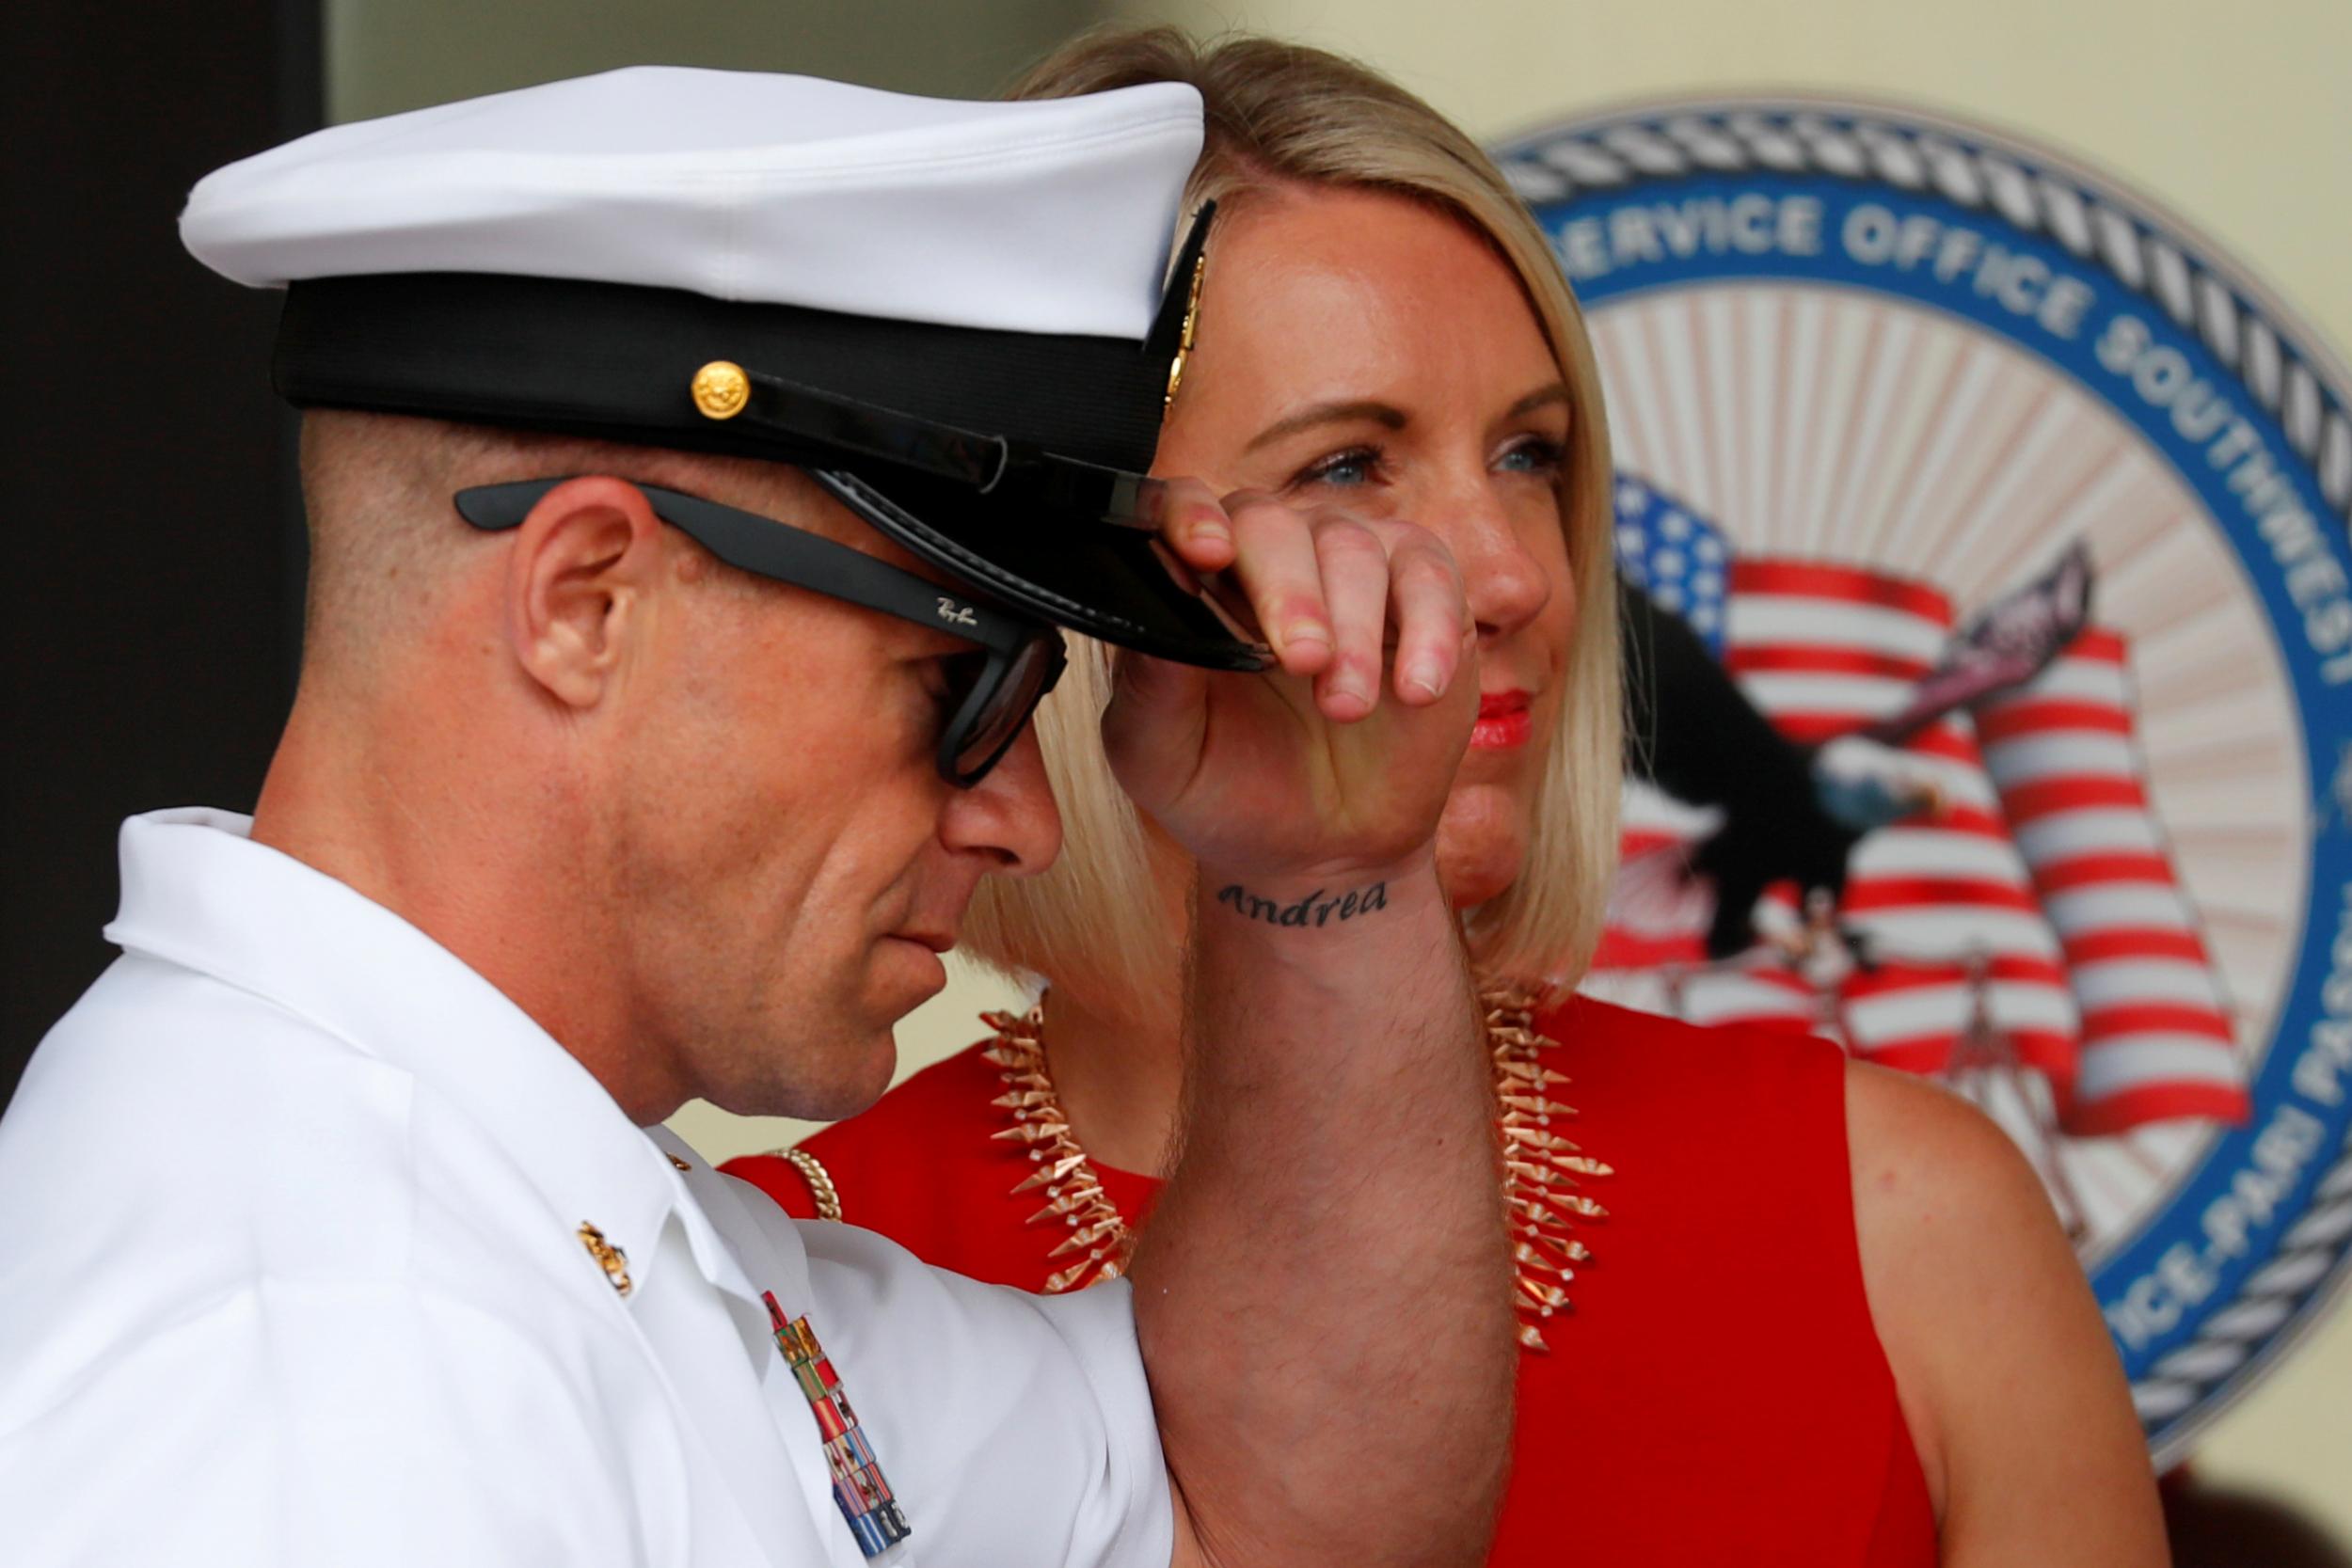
[1338, 761]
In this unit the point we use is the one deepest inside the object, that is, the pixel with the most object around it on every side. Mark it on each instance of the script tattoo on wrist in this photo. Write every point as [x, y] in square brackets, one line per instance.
[1313, 909]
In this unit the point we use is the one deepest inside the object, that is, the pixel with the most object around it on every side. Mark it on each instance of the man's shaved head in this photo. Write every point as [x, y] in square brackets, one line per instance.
[386, 537]
[690, 819]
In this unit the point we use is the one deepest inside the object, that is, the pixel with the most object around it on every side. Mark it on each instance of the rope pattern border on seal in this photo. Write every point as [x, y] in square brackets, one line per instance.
[1553, 166]
[2246, 1334]
[1548, 168]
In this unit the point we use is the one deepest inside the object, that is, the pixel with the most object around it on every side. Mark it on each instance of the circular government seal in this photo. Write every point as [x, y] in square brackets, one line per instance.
[2019, 512]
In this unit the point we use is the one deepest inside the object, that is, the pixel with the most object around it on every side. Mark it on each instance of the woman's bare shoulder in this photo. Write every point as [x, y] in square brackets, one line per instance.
[1924, 1156]
[2014, 1396]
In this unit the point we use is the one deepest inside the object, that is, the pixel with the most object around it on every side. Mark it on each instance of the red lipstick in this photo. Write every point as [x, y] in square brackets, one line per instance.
[1504, 721]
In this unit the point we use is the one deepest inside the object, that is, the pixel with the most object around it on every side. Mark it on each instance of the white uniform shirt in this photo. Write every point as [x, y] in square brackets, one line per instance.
[290, 1272]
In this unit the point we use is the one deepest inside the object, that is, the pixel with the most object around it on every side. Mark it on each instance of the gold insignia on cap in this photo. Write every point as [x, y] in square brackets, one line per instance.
[609, 1258]
[1184, 339]
[720, 389]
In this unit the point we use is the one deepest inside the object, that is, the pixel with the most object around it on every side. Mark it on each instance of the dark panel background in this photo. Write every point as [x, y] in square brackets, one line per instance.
[153, 592]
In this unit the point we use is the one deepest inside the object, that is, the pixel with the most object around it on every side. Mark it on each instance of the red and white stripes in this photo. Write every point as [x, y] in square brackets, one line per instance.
[2157, 1040]
[1653, 950]
[1823, 650]
[2040, 888]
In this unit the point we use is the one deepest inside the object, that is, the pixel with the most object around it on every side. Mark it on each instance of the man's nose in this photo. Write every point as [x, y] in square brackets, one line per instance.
[1009, 815]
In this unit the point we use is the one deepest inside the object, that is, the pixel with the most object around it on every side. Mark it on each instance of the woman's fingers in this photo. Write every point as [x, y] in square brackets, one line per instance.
[1434, 627]
[1356, 590]
[1332, 593]
[1194, 525]
[1276, 564]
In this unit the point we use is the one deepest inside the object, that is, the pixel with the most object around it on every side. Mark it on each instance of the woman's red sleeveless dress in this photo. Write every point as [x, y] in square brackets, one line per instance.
[1718, 1395]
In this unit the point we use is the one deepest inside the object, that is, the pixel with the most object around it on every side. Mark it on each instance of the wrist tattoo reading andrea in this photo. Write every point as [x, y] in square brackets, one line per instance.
[1313, 909]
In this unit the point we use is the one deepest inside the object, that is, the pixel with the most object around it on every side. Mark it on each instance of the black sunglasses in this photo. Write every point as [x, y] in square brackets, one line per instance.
[1023, 658]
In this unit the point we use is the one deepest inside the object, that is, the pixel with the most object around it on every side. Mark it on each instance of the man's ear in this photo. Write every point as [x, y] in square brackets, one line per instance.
[581, 568]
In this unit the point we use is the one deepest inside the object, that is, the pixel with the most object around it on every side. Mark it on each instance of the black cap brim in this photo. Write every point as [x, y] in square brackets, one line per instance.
[619, 362]
[1088, 576]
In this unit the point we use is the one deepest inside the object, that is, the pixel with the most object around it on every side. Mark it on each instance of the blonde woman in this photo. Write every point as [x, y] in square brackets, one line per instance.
[1821, 1315]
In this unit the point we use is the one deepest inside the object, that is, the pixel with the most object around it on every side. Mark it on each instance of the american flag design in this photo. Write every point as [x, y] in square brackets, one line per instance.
[1679, 559]
[1653, 956]
[2035, 904]
[2156, 1038]
[868, 1505]
[1652, 952]
[1823, 650]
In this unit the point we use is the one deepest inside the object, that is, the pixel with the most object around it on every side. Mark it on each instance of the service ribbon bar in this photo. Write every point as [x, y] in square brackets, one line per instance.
[859, 1490]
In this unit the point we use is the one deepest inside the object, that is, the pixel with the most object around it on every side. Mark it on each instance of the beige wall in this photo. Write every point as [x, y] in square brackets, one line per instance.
[2235, 116]
[385, 56]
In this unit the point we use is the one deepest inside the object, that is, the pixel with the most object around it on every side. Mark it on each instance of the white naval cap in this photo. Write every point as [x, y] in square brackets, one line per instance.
[778, 190]
[953, 313]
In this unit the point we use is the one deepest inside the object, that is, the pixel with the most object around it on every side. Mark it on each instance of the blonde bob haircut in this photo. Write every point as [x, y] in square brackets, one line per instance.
[1281, 114]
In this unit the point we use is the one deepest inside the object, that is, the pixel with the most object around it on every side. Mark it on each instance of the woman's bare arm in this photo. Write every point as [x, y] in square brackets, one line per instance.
[1323, 1297]
[2012, 1390]
[1323, 1292]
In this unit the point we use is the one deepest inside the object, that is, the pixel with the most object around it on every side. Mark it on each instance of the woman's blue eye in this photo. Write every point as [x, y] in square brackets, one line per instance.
[1537, 455]
[1355, 466]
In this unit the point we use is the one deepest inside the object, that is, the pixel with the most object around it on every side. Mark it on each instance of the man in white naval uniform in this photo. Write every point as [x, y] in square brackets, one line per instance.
[697, 464]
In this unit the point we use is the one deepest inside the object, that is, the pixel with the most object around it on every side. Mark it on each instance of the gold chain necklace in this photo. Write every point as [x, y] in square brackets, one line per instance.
[1540, 1168]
